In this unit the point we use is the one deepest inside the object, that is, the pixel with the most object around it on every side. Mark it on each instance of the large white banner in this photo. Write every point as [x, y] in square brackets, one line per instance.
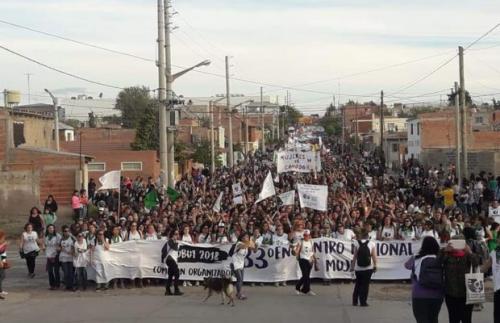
[313, 196]
[146, 259]
[302, 162]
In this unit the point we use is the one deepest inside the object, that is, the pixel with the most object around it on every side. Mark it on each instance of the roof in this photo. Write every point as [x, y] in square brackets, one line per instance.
[31, 114]
[63, 126]
[52, 151]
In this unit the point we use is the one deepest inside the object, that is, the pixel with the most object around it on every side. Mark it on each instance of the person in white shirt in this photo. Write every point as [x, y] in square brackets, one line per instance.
[407, 231]
[29, 248]
[80, 261]
[343, 233]
[305, 255]
[240, 252]
[280, 238]
[364, 264]
[429, 231]
[151, 233]
[66, 257]
[204, 236]
[494, 263]
[52, 241]
[494, 211]
[388, 231]
[134, 234]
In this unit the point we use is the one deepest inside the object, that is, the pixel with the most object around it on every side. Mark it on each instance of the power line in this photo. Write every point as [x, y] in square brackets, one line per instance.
[482, 36]
[59, 70]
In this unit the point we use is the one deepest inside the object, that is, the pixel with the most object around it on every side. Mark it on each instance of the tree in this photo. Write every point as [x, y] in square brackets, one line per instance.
[202, 153]
[73, 122]
[147, 134]
[332, 124]
[114, 119]
[496, 104]
[133, 102]
[292, 115]
[451, 98]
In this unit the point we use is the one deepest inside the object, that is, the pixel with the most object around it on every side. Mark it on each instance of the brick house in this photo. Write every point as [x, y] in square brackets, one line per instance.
[30, 168]
[111, 150]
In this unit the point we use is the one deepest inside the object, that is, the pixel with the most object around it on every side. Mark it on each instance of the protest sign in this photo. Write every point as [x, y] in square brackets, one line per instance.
[313, 196]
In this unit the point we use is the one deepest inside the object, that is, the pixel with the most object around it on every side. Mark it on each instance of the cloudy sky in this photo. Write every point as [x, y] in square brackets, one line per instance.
[320, 48]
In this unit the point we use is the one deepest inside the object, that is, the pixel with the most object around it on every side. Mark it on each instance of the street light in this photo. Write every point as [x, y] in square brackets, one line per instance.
[179, 74]
[56, 118]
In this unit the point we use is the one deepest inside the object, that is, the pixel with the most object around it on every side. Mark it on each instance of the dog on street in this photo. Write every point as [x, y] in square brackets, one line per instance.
[223, 286]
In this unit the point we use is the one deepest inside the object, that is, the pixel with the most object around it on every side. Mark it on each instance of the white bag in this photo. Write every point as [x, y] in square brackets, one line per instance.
[474, 285]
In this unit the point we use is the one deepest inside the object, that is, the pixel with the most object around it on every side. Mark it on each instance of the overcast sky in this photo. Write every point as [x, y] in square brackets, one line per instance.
[313, 45]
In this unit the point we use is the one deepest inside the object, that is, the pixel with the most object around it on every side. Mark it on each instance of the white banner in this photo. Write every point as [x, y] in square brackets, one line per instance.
[110, 180]
[288, 198]
[313, 196]
[144, 259]
[267, 189]
[237, 189]
[302, 162]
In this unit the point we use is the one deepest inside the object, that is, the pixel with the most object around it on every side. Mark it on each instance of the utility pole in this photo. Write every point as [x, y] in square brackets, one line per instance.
[162, 95]
[382, 155]
[246, 131]
[458, 169]
[278, 118]
[230, 111]
[463, 112]
[169, 99]
[212, 136]
[263, 123]
[28, 75]
[356, 132]
[55, 103]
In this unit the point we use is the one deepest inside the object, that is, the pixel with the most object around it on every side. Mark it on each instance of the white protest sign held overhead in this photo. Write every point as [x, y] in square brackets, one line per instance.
[216, 207]
[313, 196]
[110, 180]
[237, 189]
[267, 189]
[288, 198]
[302, 162]
[369, 181]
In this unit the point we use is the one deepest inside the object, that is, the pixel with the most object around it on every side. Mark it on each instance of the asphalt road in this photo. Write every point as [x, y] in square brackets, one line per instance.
[30, 301]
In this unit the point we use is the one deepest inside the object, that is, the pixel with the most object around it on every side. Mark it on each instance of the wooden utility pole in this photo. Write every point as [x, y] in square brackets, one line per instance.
[382, 155]
[463, 113]
[458, 166]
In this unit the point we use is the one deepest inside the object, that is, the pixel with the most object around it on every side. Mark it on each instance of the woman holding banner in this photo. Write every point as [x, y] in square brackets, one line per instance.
[305, 255]
[240, 252]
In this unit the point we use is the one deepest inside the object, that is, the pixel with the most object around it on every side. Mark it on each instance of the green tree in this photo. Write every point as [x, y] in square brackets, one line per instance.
[73, 122]
[133, 102]
[451, 98]
[292, 115]
[147, 134]
[202, 153]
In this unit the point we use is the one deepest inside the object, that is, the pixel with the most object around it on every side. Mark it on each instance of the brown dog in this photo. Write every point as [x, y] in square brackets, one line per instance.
[223, 286]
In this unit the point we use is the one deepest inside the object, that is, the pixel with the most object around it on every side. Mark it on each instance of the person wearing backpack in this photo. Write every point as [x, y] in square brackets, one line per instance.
[364, 264]
[427, 282]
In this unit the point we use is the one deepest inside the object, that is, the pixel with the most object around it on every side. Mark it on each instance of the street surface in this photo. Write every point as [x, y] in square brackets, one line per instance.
[29, 300]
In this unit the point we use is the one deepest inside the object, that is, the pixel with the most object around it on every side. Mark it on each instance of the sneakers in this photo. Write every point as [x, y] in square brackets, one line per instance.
[298, 292]
[311, 293]
[4, 293]
[283, 284]
[168, 292]
[178, 293]
[276, 285]
[2, 297]
[241, 297]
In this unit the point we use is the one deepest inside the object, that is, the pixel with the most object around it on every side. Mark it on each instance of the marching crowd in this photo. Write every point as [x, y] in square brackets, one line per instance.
[364, 204]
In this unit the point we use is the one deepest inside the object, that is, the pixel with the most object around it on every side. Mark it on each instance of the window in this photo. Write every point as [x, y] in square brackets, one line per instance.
[395, 148]
[479, 120]
[418, 128]
[390, 127]
[131, 166]
[19, 133]
[411, 129]
[96, 167]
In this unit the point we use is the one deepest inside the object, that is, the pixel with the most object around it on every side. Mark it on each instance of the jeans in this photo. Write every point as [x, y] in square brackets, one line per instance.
[458, 312]
[53, 266]
[496, 305]
[362, 286]
[69, 274]
[2, 277]
[426, 310]
[304, 284]
[238, 273]
[173, 274]
[30, 262]
[81, 277]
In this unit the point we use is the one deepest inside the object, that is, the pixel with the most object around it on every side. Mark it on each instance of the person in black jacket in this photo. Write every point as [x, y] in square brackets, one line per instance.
[170, 253]
[50, 204]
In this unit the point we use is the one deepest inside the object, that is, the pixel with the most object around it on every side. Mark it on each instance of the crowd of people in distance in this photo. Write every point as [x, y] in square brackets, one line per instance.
[365, 203]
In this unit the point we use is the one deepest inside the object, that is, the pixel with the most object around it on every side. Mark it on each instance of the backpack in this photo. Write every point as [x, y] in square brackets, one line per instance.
[364, 258]
[428, 272]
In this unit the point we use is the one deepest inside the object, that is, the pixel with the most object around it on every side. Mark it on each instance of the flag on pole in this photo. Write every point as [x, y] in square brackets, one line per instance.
[151, 200]
[216, 207]
[288, 198]
[110, 180]
[172, 194]
[267, 188]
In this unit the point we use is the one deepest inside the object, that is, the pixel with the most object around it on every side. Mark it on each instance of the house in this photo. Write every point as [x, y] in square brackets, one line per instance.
[111, 149]
[433, 140]
[31, 168]
[395, 147]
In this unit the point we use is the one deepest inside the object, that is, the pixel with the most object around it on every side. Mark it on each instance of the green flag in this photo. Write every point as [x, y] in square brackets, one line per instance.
[173, 195]
[151, 199]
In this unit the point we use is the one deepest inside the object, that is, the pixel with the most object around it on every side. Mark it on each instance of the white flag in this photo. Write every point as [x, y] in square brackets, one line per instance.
[267, 188]
[313, 196]
[288, 198]
[110, 180]
[277, 178]
[216, 207]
